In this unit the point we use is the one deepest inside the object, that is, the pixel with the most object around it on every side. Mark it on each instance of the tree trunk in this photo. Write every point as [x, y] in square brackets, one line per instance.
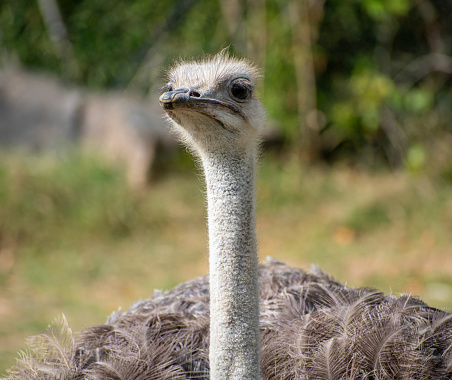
[305, 17]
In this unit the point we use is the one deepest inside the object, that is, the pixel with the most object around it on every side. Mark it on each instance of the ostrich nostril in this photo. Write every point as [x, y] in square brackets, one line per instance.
[194, 94]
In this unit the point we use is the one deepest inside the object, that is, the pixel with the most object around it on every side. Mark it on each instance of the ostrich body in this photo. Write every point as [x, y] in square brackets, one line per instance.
[294, 325]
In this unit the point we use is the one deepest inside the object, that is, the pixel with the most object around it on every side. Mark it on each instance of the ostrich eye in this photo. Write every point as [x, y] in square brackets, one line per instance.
[240, 91]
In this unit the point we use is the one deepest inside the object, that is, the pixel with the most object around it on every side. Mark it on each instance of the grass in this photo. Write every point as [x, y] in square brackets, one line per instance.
[74, 240]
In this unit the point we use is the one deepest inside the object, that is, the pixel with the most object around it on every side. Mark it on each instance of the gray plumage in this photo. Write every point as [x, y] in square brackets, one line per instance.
[310, 326]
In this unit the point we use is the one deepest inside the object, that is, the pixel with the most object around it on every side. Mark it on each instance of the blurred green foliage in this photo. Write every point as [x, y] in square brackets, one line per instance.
[33, 209]
[382, 67]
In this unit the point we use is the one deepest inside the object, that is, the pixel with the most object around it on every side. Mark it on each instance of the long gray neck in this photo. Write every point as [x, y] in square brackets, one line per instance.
[234, 296]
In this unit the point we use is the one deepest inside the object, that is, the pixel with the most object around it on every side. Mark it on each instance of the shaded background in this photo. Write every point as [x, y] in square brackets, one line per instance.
[356, 175]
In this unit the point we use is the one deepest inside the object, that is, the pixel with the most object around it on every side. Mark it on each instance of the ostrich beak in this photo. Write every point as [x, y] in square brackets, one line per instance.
[188, 98]
[168, 99]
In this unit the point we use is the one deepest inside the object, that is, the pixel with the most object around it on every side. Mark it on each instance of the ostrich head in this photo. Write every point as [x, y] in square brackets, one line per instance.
[213, 105]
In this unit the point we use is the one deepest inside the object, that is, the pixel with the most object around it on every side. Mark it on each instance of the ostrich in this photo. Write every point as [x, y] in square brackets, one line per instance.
[244, 321]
